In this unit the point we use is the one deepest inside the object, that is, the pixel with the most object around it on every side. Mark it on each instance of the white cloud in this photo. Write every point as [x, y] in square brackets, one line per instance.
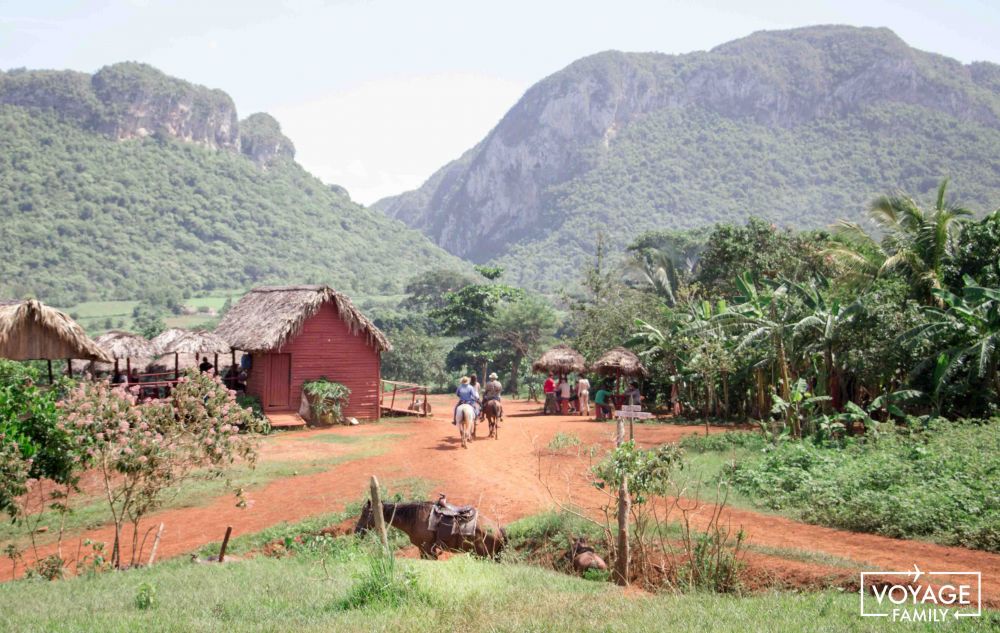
[386, 136]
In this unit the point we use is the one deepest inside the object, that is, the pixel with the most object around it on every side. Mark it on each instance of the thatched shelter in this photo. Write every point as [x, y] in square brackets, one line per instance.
[119, 346]
[164, 339]
[189, 343]
[295, 334]
[561, 359]
[268, 317]
[619, 362]
[31, 330]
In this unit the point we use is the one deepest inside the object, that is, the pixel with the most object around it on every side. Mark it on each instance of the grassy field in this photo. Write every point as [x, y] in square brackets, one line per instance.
[305, 592]
[92, 511]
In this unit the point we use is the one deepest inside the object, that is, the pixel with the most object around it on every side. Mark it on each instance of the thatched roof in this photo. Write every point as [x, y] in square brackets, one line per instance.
[266, 318]
[561, 359]
[185, 362]
[163, 340]
[30, 330]
[120, 344]
[619, 362]
[196, 342]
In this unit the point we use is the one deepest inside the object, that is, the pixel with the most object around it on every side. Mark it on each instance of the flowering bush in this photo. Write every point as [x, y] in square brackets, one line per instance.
[142, 449]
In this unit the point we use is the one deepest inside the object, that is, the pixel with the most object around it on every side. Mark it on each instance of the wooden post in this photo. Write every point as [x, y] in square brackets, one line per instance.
[69, 367]
[177, 365]
[377, 514]
[156, 544]
[116, 370]
[215, 367]
[128, 367]
[51, 379]
[225, 544]
[624, 508]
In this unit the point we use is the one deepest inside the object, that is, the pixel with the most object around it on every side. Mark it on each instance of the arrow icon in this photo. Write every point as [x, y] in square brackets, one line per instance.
[917, 573]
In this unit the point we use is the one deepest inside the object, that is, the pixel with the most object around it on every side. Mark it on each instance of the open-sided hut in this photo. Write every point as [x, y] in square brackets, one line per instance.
[134, 349]
[619, 363]
[299, 333]
[161, 342]
[561, 359]
[31, 330]
[190, 345]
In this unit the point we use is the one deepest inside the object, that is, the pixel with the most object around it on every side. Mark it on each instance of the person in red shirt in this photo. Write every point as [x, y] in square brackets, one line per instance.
[549, 388]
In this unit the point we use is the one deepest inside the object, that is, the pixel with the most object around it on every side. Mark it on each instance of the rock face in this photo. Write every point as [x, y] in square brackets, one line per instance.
[131, 100]
[261, 139]
[503, 190]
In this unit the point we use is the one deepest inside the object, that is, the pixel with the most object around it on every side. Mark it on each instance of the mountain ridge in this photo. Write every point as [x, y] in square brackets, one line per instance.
[128, 183]
[511, 189]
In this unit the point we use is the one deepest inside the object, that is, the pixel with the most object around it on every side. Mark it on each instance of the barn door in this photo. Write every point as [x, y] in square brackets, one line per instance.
[279, 381]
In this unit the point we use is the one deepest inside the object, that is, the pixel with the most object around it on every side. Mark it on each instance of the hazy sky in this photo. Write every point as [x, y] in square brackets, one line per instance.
[378, 94]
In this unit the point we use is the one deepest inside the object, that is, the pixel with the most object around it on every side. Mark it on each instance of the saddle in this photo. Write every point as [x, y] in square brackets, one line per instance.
[457, 519]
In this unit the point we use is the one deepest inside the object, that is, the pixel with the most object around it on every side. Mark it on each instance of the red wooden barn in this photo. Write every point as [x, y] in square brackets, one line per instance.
[299, 333]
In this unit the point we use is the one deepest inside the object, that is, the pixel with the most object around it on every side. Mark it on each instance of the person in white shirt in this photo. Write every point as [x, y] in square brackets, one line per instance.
[563, 389]
[583, 395]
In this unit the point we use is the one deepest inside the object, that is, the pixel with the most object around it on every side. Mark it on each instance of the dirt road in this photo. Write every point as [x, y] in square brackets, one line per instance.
[509, 478]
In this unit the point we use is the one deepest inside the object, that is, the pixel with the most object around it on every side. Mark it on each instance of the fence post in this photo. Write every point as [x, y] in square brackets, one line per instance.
[377, 514]
[225, 544]
[624, 506]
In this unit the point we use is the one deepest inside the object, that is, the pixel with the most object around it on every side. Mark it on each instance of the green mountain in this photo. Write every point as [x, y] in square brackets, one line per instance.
[129, 182]
[801, 127]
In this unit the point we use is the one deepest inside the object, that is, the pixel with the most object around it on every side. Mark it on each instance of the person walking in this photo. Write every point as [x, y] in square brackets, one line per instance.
[582, 395]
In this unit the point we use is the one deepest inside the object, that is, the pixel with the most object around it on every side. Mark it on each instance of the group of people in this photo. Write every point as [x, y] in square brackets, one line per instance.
[564, 393]
[468, 392]
[574, 396]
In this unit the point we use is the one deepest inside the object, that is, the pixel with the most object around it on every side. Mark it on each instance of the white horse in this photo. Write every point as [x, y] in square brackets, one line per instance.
[465, 416]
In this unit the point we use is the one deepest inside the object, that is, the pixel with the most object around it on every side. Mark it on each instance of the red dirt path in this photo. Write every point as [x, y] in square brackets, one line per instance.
[502, 478]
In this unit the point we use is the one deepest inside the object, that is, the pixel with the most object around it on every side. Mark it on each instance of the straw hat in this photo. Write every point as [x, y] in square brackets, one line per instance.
[464, 380]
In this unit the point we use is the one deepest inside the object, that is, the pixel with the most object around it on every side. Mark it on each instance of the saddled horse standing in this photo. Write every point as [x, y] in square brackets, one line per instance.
[414, 518]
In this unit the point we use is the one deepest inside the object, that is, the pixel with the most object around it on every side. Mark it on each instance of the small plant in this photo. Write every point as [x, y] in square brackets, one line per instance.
[50, 568]
[597, 575]
[561, 440]
[145, 596]
[382, 583]
[259, 423]
[327, 398]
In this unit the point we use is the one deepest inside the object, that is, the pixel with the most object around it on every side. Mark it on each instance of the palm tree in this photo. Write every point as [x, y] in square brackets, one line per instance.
[657, 269]
[916, 240]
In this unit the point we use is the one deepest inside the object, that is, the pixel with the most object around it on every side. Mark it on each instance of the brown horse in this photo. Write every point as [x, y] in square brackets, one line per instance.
[493, 413]
[413, 518]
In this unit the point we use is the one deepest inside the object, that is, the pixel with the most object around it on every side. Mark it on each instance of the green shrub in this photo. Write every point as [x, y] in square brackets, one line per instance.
[145, 596]
[723, 441]
[561, 440]
[327, 396]
[940, 482]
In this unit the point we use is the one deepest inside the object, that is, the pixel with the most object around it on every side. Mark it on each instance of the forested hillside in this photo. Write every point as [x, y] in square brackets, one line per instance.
[128, 182]
[799, 127]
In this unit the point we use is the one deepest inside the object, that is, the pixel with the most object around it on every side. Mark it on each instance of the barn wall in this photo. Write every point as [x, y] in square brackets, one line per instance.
[326, 347]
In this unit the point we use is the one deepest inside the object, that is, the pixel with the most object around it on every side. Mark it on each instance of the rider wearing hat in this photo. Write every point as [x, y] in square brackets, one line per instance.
[492, 390]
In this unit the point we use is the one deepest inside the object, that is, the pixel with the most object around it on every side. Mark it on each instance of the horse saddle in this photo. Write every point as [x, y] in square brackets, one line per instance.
[457, 519]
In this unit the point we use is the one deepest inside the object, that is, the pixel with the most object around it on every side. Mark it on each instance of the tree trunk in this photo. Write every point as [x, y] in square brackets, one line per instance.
[624, 508]
[725, 394]
[514, 371]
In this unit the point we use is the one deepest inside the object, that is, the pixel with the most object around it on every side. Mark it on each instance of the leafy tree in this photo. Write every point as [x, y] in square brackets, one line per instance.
[148, 321]
[428, 290]
[415, 357]
[758, 249]
[521, 326]
[976, 253]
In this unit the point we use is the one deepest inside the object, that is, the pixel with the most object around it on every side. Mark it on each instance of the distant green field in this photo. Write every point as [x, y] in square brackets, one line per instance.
[94, 315]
